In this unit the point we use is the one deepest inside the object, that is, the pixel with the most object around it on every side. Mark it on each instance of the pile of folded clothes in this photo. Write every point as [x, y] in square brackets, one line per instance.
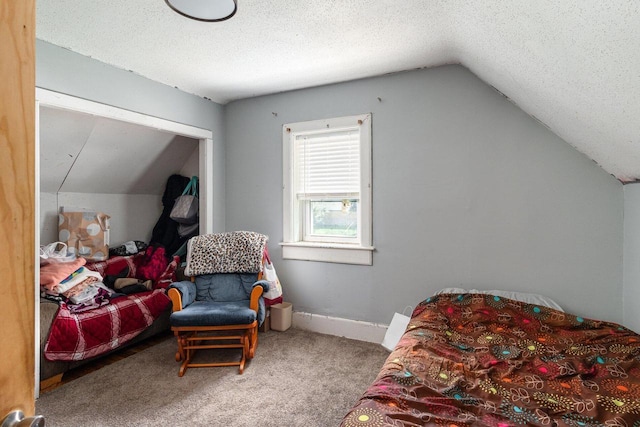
[68, 280]
[72, 283]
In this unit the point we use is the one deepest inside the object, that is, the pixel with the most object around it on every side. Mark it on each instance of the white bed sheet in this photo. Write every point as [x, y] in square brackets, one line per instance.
[518, 296]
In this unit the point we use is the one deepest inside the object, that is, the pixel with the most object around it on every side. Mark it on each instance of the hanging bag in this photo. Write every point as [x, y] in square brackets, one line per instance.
[188, 230]
[185, 209]
[274, 294]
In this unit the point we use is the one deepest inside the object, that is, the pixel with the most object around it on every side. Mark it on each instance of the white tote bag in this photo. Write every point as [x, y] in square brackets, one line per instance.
[396, 329]
[269, 274]
[275, 288]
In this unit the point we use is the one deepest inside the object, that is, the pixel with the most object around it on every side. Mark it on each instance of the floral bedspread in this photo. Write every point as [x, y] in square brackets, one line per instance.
[484, 360]
[79, 336]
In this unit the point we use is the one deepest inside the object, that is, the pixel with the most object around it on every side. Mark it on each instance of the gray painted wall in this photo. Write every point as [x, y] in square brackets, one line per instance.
[61, 70]
[468, 191]
[632, 256]
[132, 215]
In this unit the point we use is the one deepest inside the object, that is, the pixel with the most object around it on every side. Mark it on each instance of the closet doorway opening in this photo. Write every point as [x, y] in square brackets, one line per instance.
[59, 183]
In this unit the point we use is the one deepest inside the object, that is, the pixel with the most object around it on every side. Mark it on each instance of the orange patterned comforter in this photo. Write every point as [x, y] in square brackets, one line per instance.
[484, 360]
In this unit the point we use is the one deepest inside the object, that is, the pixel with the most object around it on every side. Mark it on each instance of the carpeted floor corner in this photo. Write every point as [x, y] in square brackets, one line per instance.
[297, 378]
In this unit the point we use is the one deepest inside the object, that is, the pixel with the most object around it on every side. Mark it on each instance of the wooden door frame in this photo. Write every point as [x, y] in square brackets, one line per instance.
[17, 225]
[50, 99]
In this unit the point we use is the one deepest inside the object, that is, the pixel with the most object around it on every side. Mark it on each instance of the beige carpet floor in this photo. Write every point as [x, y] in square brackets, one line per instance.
[297, 378]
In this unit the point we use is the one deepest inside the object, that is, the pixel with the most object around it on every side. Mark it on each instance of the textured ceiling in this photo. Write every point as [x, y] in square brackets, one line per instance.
[574, 65]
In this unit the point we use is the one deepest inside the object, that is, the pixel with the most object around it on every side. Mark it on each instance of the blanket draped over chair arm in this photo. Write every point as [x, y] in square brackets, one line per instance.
[260, 287]
[185, 295]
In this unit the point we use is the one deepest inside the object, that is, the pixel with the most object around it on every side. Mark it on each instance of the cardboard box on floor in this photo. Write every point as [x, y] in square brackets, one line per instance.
[281, 316]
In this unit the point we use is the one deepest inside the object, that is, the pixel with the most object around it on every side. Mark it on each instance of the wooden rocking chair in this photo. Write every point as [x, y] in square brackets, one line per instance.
[215, 311]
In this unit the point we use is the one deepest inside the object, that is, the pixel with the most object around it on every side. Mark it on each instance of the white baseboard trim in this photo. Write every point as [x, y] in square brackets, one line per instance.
[353, 329]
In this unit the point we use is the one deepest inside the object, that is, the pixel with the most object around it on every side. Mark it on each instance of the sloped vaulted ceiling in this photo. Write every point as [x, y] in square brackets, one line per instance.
[81, 153]
[574, 65]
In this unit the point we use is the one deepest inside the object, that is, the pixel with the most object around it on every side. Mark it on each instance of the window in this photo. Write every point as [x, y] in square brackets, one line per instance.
[327, 190]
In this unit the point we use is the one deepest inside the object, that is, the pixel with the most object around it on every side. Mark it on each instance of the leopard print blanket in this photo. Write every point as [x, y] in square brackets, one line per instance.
[234, 252]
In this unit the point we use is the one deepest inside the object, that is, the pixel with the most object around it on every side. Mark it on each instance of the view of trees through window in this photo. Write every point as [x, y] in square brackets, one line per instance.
[334, 218]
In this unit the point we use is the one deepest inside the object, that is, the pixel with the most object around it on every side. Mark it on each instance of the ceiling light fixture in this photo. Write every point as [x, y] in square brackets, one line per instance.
[205, 10]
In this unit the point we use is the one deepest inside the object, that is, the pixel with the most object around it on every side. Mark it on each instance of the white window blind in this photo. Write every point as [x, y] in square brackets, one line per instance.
[326, 197]
[327, 165]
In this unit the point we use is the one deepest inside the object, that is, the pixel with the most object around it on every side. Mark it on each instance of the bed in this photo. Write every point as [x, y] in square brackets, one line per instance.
[71, 339]
[487, 360]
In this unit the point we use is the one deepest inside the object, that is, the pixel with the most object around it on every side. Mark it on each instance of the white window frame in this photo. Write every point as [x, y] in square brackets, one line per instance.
[358, 251]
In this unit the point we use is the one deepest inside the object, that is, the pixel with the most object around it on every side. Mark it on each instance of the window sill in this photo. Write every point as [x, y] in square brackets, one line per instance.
[328, 252]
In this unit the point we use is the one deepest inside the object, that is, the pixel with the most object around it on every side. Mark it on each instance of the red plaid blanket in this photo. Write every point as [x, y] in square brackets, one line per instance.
[95, 332]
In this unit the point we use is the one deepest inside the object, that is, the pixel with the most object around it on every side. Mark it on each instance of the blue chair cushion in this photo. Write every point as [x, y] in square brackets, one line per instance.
[211, 313]
[224, 287]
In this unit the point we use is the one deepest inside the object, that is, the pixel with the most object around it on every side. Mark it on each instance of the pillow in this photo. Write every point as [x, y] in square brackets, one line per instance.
[536, 299]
